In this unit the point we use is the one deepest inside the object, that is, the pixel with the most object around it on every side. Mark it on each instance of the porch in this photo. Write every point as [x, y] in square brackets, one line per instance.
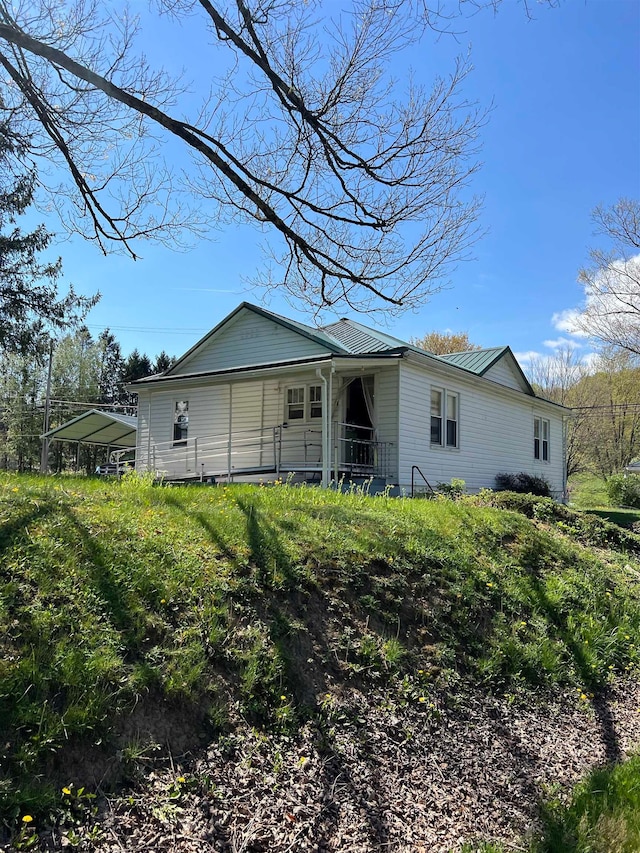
[281, 451]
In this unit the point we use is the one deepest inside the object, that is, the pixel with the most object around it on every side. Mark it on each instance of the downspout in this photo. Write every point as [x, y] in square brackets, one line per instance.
[326, 420]
[565, 431]
[148, 437]
[329, 430]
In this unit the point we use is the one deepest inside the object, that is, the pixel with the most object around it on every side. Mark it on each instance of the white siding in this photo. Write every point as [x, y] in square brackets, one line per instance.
[208, 417]
[504, 373]
[249, 339]
[386, 402]
[257, 407]
[495, 433]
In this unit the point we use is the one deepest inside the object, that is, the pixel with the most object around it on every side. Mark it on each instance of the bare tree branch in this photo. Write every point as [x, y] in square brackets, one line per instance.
[362, 180]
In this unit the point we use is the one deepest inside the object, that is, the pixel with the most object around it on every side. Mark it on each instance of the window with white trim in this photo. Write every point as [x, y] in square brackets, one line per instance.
[295, 404]
[180, 423]
[304, 403]
[541, 430]
[445, 417]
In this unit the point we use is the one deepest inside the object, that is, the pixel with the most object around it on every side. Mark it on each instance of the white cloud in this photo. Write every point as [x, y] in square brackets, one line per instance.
[557, 343]
[528, 356]
[566, 321]
[612, 300]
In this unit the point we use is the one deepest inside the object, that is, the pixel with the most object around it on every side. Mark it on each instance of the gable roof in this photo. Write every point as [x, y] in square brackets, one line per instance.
[482, 360]
[477, 361]
[315, 335]
[347, 337]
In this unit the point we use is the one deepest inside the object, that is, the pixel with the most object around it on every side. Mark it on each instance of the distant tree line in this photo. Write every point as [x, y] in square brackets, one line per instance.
[85, 372]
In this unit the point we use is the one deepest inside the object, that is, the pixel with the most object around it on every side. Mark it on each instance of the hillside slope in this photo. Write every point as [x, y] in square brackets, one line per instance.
[288, 669]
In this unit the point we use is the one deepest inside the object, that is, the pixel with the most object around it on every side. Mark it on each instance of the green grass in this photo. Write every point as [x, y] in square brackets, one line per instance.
[602, 816]
[587, 491]
[622, 517]
[201, 604]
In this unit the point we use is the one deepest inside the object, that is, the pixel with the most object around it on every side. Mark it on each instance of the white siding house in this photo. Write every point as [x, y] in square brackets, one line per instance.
[262, 397]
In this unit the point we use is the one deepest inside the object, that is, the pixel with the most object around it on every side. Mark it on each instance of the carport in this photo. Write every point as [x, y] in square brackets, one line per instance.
[107, 429]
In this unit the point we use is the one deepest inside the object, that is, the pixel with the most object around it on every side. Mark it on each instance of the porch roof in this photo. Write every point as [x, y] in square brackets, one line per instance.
[110, 429]
[264, 368]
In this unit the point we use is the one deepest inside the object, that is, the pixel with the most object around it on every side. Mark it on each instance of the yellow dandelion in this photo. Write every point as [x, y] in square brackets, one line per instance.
[583, 696]
[283, 698]
[181, 779]
[163, 601]
[422, 699]
[27, 818]
[66, 791]
[15, 490]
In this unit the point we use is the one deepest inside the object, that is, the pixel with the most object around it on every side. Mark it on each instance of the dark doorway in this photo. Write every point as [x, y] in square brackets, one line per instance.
[357, 410]
[358, 430]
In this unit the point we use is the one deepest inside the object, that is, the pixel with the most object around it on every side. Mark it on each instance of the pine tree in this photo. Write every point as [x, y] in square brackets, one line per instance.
[29, 299]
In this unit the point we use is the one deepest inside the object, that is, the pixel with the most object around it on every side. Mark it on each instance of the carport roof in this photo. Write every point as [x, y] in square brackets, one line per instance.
[95, 427]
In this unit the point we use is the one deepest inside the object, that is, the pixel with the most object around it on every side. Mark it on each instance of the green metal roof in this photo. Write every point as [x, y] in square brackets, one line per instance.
[477, 361]
[346, 337]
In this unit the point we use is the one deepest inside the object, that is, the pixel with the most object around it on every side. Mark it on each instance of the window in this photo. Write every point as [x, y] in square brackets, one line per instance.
[180, 423]
[315, 401]
[541, 429]
[436, 416]
[295, 404]
[452, 420]
[304, 403]
[444, 417]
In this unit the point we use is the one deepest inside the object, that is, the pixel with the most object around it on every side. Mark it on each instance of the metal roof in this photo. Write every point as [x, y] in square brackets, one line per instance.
[96, 427]
[357, 339]
[477, 361]
[345, 337]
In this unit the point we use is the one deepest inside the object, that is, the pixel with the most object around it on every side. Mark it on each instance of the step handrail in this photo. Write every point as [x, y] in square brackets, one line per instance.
[415, 468]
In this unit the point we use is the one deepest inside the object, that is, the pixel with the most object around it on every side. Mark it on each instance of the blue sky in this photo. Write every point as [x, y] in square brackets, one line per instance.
[563, 136]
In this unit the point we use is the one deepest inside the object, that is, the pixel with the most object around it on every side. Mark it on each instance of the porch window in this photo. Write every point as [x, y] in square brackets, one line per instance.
[304, 403]
[180, 423]
[315, 401]
[541, 428]
[295, 404]
[444, 417]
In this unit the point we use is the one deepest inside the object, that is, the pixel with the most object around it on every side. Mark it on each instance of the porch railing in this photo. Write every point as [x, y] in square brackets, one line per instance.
[278, 449]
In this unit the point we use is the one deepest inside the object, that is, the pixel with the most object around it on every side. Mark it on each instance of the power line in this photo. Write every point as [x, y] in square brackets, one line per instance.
[147, 329]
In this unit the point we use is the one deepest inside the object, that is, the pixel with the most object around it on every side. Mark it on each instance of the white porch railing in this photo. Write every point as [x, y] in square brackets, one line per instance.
[275, 450]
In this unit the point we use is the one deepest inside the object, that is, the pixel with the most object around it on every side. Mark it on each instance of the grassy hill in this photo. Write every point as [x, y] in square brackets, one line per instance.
[142, 624]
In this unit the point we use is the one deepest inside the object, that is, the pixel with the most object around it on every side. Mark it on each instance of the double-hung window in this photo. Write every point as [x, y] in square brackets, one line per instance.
[295, 404]
[180, 423]
[541, 439]
[444, 418]
[304, 403]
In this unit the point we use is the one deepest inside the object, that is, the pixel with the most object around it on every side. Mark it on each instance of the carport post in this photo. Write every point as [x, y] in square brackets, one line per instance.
[44, 459]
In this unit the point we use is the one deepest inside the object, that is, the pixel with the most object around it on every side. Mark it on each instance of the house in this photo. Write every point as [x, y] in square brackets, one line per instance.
[261, 396]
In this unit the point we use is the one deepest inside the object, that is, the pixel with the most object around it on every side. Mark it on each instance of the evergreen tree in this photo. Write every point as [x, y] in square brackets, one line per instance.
[29, 299]
[163, 362]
